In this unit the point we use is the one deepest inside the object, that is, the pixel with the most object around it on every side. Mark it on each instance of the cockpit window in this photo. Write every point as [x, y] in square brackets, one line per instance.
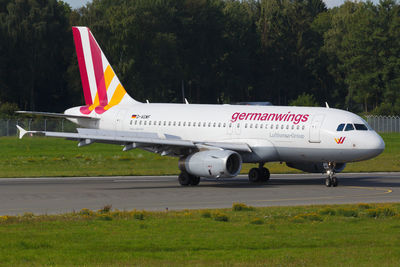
[360, 127]
[349, 127]
[340, 127]
[367, 125]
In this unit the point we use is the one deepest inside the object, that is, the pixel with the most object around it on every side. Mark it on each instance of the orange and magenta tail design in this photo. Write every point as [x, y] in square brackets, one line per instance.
[101, 87]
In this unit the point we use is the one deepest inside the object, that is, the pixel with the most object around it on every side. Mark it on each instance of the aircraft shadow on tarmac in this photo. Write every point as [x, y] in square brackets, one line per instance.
[363, 181]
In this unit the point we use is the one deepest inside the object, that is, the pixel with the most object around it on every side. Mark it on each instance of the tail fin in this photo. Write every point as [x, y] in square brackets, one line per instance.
[101, 87]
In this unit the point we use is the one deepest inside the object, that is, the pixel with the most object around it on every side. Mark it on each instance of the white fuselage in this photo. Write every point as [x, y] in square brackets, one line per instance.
[274, 133]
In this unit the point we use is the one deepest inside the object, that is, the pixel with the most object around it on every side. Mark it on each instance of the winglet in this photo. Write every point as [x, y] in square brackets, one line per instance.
[22, 131]
[326, 104]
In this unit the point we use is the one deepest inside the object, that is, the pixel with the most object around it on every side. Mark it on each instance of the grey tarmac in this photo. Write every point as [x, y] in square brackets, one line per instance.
[67, 194]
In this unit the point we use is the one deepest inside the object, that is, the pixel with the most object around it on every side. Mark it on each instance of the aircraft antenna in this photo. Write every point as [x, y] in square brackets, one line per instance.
[183, 92]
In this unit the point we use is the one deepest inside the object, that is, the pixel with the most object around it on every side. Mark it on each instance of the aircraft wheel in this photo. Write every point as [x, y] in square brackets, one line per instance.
[184, 179]
[266, 174]
[328, 182]
[255, 175]
[195, 180]
[335, 182]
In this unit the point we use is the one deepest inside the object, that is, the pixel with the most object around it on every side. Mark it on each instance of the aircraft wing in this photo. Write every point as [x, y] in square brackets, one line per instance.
[87, 136]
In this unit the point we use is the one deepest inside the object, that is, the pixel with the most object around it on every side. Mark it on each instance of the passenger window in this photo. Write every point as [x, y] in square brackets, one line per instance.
[199, 124]
[251, 125]
[159, 123]
[256, 125]
[165, 123]
[349, 127]
[214, 124]
[230, 125]
[204, 124]
[298, 127]
[245, 125]
[292, 127]
[131, 122]
[261, 126]
[135, 122]
[184, 123]
[169, 123]
[277, 126]
[149, 122]
[282, 126]
[140, 122]
[174, 123]
[287, 127]
[360, 127]
[209, 124]
[194, 124]
[340, 127]
[303, 127]
[224, 125]
[219, 125]
[189, 123]
[145, 122]
[179, 123]
[238, 125]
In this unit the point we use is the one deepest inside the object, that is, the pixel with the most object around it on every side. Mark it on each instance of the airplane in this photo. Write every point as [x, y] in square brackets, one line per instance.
[211, 140]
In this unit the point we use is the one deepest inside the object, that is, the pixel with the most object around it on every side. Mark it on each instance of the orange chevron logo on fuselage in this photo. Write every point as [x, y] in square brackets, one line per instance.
[340, 140]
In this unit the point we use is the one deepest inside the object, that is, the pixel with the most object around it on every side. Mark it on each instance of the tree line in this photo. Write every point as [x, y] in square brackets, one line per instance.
[295, 52]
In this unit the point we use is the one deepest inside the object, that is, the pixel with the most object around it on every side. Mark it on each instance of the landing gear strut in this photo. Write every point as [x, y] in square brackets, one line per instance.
[186, 179]
[260, 174]
[331, 180]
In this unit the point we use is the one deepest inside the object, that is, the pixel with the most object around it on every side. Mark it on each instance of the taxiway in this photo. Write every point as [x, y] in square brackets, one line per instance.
[60, 195]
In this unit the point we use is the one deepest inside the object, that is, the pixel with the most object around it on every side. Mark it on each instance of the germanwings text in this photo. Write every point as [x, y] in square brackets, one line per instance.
[295, 118]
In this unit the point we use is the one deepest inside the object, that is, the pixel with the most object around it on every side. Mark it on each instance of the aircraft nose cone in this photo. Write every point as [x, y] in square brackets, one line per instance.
[377, 145]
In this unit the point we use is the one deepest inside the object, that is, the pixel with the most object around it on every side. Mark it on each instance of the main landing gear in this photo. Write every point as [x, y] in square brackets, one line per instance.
[260, 174]
[331, 180]
[186, 179]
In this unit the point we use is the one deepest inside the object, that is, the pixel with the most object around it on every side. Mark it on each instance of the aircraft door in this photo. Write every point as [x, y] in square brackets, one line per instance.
[315, 129]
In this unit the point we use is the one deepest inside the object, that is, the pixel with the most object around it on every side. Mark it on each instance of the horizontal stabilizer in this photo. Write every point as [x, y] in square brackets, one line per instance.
[23, 132]
[54, 115]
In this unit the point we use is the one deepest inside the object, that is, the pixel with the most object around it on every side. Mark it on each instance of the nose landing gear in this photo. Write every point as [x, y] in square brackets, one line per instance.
[331, 180]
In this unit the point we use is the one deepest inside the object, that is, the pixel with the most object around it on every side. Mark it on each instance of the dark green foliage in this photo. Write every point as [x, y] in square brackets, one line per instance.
[241, 207]
[220, 217]
[222, 51]
[304, 100]
[206, 214]
[347, 212]
[381, 212]
[7, 110]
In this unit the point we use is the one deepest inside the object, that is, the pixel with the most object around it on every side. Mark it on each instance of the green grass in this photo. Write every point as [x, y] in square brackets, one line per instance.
[345, 235]
[34, 157]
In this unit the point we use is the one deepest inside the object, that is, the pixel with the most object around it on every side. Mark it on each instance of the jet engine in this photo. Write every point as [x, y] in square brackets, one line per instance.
[212, 163]
[314, 167]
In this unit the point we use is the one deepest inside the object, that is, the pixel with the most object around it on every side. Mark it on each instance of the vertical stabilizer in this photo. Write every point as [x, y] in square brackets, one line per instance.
[101, 87]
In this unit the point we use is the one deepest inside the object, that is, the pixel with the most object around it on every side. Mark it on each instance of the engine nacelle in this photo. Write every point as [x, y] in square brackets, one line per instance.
[212, 163]
[314, 167]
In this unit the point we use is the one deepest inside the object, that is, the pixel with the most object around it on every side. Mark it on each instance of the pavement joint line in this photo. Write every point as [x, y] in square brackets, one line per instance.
[133, 177]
